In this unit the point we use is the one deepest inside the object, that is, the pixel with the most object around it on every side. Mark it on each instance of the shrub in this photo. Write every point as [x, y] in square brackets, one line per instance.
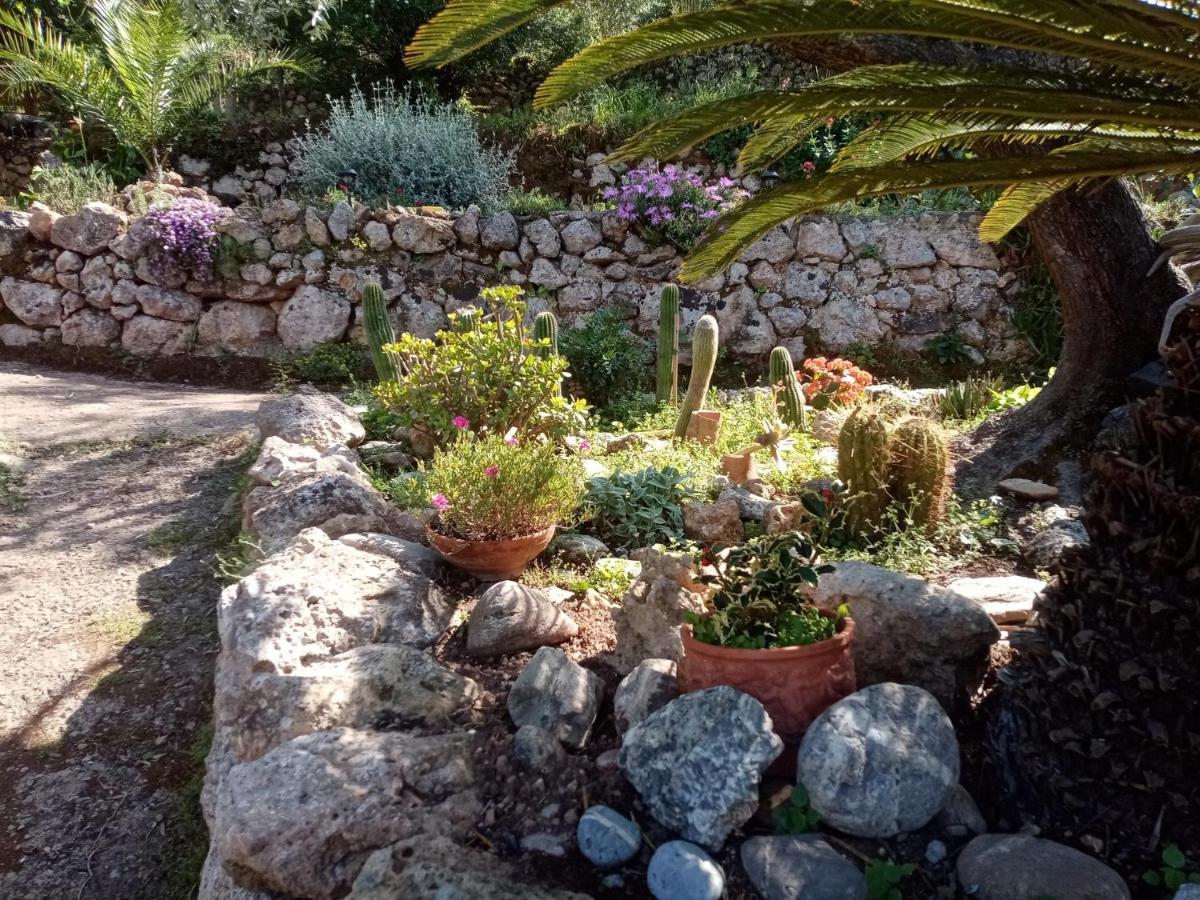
[607, 359]
[399, 143]
[487, 377]
[487, 488]
[672, 205]
[967, 399]
[829, 382]
[949, 350]
[533, 203]
[638, 509]
[181, 237]
[326, 364]
[67, 189]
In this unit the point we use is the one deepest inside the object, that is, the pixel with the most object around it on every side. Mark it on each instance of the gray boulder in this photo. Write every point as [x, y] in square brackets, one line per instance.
[423, 234]
[579, 549]
[341, 221]
[310, 417]
[510, 617]
[648, 688]
[33, 303]
[880, 762]
[499, 232]
[245, 329]
[697, 762]
[786, 867]
[409, 554]
[148, 336]
[90, 230]
[90, 328]
[607, 838]
[680, 870]
[1044, 551]
[537, 750]
[1020, 866]
[961, 816]
[557, 695]
[279, 462]
[912, 632]
[647, 620]
[311, 317]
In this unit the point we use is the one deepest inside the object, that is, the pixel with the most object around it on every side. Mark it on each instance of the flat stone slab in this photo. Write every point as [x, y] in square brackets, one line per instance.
[1025, 489]
[1008, 599]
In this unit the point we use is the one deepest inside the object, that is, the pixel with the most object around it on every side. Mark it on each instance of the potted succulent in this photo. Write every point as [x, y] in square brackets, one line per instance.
[761, 633]
[498, 501]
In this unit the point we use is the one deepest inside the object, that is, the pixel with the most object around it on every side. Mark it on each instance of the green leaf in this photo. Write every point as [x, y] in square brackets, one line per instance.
[1174, 857]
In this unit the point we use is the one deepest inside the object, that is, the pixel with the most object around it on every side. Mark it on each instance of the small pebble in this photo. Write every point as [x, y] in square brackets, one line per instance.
[607, 838]
[935, 852]
[680, 870]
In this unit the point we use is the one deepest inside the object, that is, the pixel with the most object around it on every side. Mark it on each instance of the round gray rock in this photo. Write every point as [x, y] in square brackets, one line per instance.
[1020, 866]
[607, 838]
[880, 762]
[802, 865]
[680, 870]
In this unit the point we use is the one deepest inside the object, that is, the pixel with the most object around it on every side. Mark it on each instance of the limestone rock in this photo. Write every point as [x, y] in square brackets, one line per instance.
[33, 303]
[409, 554]
[537, 750]
[1020, 866]
[20, 336]
[648, 688]
[751, 506]
[713, 523]
[310, 417]
[820, 238]
[1045, 549]
[90, 230]
[544, 238]
[606, 837]
[422, 234]
[581, 236]
[166, 303]
[1025, 489]
[311, 317]
[15, 228]
[579, 549]
[510, 617]
[278, 461]
[304, 818]
[340, 221]
[148, 336]
[90, 328]
[680, 870]
[696, 763]
[910, 631]
[880, 762]
[803, 865]
[648, 618]
[41, 221]
[1008, 599]
[558, 695]
[245, 329]
[499, 232]
[335, 502]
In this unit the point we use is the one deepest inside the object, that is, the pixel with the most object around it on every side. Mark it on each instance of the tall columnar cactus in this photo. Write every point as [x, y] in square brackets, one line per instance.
[545, 328]
[469, 318]
[704, 360]
[788, 396]
[863, 464]
[920, 468]
[667, 372]
[378, 328]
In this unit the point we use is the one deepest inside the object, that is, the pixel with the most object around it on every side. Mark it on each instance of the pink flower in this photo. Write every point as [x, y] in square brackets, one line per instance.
[440, 501]
[461, 422]
[491, 471]
[585, 445]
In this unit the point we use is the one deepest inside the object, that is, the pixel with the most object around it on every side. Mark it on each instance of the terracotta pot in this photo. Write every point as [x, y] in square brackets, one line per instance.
[739, 467]
[795, 684]
[490, 560]
[704, 426]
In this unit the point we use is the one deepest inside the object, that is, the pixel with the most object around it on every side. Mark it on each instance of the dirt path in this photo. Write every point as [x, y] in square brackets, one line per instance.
[110, 531]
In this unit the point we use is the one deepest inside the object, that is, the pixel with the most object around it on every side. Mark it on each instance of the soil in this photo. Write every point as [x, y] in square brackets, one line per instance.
[124, 494]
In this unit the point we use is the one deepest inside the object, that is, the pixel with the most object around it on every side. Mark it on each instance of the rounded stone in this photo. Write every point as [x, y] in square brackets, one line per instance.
[1019, 866]
[880, 762]
[607, 838]
[680, 870]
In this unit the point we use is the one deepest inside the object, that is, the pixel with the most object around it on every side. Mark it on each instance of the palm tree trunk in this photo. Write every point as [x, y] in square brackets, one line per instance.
[1096, 243]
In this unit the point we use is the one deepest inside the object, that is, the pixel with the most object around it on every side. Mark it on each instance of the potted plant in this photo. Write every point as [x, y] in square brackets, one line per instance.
[762, 634]
[498, 501]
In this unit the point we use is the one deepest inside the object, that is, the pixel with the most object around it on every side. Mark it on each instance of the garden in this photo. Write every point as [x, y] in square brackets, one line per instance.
[698, 463]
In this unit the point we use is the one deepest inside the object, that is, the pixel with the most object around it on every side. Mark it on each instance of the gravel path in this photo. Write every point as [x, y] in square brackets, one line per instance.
[116, 498]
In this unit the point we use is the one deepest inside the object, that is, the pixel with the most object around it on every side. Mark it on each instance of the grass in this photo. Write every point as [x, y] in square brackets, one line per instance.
[165, 540]
[609, 579]
[123, 626]
[12, 496]
[186, 824]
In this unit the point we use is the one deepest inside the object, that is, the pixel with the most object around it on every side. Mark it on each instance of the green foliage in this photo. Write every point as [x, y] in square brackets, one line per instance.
[1174, 872]
[629, 408]
[486, 488]
[140, 72]
[704, 359]
[545, 332]
[761, 600]
[666, 377]
[948, 350]
[628, 510]
[797, 815]
[884, 878]
[606, 358]
[964, 400]
[402, 144]
[325, 364]
[12, 494]
[1015, 396]
[781, 374]
[379, 331]
[490, 377]
[407, 490]
[1037, 315]
[67, 188]
[535, 202]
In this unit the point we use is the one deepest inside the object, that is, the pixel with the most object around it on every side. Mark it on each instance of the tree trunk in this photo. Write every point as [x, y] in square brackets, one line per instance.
[1096, 243]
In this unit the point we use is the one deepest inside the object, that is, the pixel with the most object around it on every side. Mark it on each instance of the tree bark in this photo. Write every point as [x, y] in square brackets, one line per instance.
[1096, 243]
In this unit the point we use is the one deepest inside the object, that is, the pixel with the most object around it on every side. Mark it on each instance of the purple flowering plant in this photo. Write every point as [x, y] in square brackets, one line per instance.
[181, 237]
[672, 204]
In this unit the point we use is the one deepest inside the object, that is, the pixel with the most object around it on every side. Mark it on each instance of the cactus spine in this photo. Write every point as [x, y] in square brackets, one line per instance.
[788, 397]
[704, 360]
[667, 372]
[920, 467]
[469, 318]
[380, 334]
[863, 464]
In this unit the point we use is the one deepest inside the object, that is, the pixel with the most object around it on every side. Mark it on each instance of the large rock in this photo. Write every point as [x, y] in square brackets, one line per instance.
[166, 303]
[409, 554]
[579, 549]
[880, 762]
[1044, 551]
[580, 236]
[911, 631]
[278, 462]
[1020, 867]
[90, 328]
[309, 417]
[244, 329]
[713, 523]
[510, 617]
[1008, 599]
[557, 695]
[311, 317]
[14, 233]
[499, 232]
[148, 336]
[648, 618]
[90, 230]
[537, 750]
[422, 234]
[33, 303]
[20, 335]
[303, 819]
[648, 688]
[787, 867]
[697, 762]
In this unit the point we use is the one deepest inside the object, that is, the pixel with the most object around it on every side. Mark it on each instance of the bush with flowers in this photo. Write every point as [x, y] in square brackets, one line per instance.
[493, 488]
[672, 204]
[830, 382]
[487, 379]
[181, 237]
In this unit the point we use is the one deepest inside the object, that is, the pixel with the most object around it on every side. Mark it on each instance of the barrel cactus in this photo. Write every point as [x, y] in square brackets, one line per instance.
[704, 360]
[788, 396]
[379, 331]
[863, 464]
[920, 468]
[667, 370]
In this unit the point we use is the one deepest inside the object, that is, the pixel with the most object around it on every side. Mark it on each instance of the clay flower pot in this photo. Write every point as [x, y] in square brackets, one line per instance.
[704, 426]
[795, 684]
[739, 467]
[490, 560]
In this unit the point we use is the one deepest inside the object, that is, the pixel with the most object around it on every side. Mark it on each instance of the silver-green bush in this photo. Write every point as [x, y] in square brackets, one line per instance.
[405, 149]
[67, 188]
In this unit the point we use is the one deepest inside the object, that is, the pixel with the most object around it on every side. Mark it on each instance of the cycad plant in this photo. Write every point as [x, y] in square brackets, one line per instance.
[141, 74]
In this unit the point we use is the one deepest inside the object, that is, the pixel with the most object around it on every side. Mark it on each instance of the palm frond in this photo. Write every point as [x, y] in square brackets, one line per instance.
[774, 139]
[467, 25]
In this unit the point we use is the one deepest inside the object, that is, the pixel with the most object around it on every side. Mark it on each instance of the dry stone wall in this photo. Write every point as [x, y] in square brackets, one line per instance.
[24, 140]
[288, 278]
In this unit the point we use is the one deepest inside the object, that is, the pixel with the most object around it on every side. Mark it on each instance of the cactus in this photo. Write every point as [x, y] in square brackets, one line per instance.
[788, 397]
[469, 318]
[704, 360]
[545, 328]
[920, 464]
[380, 334]
[667, 373]
[863, 464]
